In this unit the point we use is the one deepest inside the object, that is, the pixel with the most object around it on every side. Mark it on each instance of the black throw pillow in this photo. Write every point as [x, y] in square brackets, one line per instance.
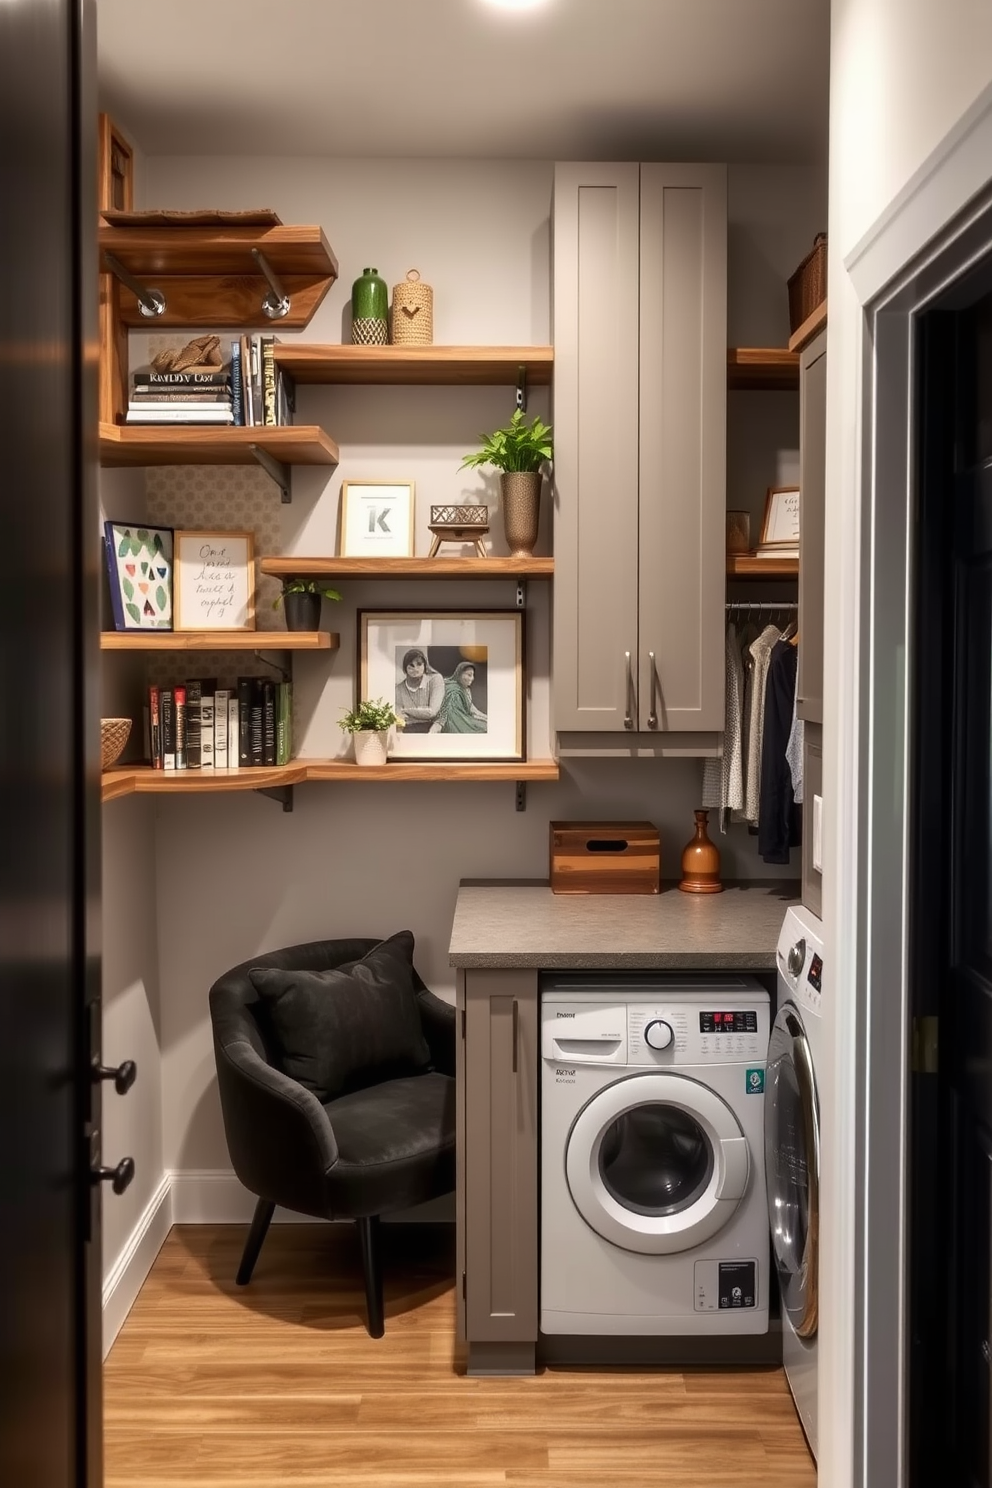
[351, 1027]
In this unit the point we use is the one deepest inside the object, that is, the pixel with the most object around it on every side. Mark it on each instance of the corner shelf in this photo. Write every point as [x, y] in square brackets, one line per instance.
[219, 640]
[186, 444]
[762, 369]
[128, 780]
[439, 366]
[209, 276]
[746, 566]
[299, 566]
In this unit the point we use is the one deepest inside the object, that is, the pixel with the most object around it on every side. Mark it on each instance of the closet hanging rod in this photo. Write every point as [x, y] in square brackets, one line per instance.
[761, 606]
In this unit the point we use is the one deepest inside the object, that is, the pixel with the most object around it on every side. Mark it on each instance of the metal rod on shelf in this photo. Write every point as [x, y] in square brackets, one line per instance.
[761, 606]
[151, 302]
[276, 302]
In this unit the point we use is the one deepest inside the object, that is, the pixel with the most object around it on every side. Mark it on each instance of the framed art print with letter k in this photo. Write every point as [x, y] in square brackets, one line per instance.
[377, 519]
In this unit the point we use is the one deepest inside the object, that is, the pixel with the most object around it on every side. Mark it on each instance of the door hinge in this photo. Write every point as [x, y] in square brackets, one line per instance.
[463, 1286]
[463, 1022]
[925, 1045]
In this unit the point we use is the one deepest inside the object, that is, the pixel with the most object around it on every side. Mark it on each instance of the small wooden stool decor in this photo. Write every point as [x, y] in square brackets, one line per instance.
[459, 524]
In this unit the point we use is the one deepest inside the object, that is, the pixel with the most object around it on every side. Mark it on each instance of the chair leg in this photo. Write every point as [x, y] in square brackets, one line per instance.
[368, 1231]
[259, 1227]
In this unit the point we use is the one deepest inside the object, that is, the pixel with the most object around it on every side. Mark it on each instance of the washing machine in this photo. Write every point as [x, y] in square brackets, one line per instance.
[653, 1213]
[792, 1152]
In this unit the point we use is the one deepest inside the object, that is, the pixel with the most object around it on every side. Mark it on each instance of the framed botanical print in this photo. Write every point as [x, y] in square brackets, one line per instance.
[214, 582]
[377, 519]
[139, 572]
[454, 677]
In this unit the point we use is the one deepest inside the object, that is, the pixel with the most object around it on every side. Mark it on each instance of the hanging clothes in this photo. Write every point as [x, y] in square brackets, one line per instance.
[794, 748]
[761, 654]
[723, 778]
[779, 818]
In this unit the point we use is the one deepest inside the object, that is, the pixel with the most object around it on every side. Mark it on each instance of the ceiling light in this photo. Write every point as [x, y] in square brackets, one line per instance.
[516, 4]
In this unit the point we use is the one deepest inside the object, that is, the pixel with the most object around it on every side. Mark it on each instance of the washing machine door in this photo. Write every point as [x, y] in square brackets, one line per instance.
[657, 1163]
[792, 1167]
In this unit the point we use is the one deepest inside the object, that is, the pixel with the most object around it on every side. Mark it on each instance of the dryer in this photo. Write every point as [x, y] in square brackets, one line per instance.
[792, 1153]
[653, 1214]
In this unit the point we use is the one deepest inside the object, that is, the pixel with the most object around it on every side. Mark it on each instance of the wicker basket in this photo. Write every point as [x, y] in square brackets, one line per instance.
[808, 285]
[413, 312]
[114, 734]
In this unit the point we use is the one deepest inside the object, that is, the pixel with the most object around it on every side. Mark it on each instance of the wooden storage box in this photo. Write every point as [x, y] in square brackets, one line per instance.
[605, 858]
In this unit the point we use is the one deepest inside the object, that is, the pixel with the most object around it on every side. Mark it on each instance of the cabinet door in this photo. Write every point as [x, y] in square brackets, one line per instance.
[812, 485]
[500, 1199]
[812, 815]
[596, 306]
[683, 446]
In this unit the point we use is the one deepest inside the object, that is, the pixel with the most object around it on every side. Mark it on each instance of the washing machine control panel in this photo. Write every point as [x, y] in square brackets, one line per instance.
[663, 1036]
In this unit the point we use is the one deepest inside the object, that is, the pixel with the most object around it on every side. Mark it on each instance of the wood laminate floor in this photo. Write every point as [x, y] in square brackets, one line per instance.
[279, 1384]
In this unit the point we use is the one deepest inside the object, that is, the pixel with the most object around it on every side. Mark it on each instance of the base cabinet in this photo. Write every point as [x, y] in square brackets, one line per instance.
[497, 1201]
[640, 396]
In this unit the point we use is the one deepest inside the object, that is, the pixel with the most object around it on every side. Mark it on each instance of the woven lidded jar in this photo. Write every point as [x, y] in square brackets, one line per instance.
[413, 312]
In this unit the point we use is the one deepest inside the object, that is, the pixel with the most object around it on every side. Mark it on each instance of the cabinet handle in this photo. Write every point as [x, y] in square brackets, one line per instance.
[653, 715]
[516, 1024]
[628, 718]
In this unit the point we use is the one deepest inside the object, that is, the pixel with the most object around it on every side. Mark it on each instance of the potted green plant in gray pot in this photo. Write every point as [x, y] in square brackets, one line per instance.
[300, 599]
[518, 451]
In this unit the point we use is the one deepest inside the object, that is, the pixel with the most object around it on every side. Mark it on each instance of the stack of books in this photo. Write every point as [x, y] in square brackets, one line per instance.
[198, 725]
[197, 396]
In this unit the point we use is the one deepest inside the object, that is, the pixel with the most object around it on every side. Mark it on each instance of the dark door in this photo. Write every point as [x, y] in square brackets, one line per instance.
[951, 1110]
[49, 824]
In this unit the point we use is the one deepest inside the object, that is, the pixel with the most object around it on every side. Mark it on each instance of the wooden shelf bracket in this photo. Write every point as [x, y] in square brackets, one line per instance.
[276, 303]
[282, 794]
[277, 471]
[151, 302]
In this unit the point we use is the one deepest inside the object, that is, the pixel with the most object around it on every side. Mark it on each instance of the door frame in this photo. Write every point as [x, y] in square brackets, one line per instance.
[866, 1239]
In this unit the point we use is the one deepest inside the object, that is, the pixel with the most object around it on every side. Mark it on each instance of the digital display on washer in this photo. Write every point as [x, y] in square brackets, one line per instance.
[736, 1022]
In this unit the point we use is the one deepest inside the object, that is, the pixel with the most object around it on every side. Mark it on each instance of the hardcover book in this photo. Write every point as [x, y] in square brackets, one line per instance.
[167, 712]
[208, 687]
[179, 700]
[222, 699]
[139, 573]
[194, 699]
[268, 722]
[233, 733]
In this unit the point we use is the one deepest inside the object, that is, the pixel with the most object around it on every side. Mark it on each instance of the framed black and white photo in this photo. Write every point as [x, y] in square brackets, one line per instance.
[214, 581]
[454, 677]
[377, 519]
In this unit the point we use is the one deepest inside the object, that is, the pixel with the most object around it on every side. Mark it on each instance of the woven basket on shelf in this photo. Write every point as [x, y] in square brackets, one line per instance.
[413, 312]
[808, 285]
[114, 734]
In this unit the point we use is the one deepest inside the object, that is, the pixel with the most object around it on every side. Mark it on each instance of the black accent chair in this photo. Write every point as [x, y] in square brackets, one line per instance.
[366, 1153]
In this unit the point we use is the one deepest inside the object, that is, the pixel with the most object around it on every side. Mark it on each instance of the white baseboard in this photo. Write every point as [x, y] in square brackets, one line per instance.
[127, 1275]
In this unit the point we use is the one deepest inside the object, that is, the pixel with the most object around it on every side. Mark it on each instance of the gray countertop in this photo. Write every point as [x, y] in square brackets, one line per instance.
[525, 925]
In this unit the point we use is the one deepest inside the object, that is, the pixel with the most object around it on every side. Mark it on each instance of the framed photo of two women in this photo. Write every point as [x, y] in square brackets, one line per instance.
[454, 677]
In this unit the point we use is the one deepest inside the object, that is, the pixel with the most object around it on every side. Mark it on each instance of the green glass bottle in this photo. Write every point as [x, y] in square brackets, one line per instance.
[369, 310]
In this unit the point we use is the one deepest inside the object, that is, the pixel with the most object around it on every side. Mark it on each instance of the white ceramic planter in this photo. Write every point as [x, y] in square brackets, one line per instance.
[371, 746]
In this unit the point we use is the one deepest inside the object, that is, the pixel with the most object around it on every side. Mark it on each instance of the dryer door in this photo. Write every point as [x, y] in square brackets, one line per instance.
[656, 1163]
[792, 1167]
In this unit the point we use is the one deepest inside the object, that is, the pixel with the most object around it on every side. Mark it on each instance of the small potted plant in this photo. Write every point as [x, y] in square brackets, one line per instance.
[369, 725]
[518, 451]
[301, 599]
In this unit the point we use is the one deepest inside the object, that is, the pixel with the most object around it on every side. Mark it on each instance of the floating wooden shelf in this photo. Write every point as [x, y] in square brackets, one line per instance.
[208, 275]
[128, 780]
[295, 566]
[219, 640]
[438, 365]
[810, 327]
[762, 368]
[746, 566]
[185, 444]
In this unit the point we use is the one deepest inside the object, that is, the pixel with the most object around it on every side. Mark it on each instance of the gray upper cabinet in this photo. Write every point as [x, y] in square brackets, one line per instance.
[812, 481]
[640, 331]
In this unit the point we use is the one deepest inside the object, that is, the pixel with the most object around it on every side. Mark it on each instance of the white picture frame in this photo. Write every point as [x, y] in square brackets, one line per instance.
[468, 702]
[377, 519]
[780, 527]
[213, 580]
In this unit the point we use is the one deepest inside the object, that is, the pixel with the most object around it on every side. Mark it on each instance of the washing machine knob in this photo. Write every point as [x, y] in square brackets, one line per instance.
[659, 1034]
[797, 957]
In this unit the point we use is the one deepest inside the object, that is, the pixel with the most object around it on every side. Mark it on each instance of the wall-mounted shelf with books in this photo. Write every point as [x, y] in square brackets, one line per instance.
[748, 566]
[292, 565]
[219, 640]
[438, 366]
[180, 444]
[762, 369]
[143, 780]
